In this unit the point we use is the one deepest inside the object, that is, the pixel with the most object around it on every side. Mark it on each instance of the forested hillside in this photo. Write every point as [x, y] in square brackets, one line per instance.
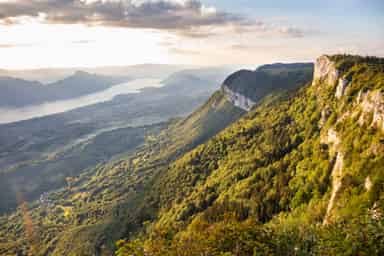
[100, 205]
[37, 155]
[300, 174]
[247, 87]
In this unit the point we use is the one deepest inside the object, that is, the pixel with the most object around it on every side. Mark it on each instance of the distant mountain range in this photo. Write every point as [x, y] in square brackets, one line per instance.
[51, 75]
[25, 88]
[19, 93]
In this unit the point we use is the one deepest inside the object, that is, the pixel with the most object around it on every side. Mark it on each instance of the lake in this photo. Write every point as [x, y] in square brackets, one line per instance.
[9, 115]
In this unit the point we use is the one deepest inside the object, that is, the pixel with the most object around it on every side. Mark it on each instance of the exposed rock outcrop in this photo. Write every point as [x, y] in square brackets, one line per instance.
[337, 173]
[244, 88]
[376, 211]
[372, 104]
[238, 99]
[368, 110]
[332, 139]
[362, 94]
[341, 87]
[325, 71]
[368, 183]
[325, 114]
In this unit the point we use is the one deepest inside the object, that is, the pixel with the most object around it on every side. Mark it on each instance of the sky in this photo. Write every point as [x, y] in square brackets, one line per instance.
[89, 33]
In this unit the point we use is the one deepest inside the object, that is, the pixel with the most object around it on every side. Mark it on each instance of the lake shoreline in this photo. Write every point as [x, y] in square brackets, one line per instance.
[12, 115]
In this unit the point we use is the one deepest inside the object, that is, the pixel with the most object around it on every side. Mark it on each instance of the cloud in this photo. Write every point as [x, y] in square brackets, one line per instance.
[7, 45]
[240, 47]
[11, 45]
[173, 15]
[290, 31]
[180, 51]
[82, 41]
[186, 18]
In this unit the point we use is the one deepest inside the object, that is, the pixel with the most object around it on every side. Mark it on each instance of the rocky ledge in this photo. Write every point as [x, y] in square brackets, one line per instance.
[325, 71]
[238, 99]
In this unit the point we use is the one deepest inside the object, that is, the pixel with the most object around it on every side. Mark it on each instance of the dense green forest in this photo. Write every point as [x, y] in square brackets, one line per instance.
[299, 174]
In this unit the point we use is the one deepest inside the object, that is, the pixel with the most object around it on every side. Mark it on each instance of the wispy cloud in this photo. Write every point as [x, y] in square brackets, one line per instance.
[181, 51]
[290, 31]
[171, 15]
[6, 45]
[82, 41]
[188, 18]
[240, 47]
[11, 45]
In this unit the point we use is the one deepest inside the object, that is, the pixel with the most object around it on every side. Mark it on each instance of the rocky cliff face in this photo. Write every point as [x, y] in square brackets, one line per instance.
[332, 139]
[341, 87]
[236, 89]
[370, 102]
[372, 107]
[325, 71]
[237, 99]
[364, 109]
[245, 88]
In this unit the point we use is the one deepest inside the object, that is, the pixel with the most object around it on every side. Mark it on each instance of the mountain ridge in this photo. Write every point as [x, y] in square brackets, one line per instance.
[245, 87]
[300, 174]
[18, 92]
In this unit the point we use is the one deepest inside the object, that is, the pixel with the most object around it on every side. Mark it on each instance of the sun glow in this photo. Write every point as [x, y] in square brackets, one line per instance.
[35, 45]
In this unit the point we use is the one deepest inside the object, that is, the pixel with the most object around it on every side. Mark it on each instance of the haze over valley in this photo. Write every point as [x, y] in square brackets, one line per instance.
[10, 115]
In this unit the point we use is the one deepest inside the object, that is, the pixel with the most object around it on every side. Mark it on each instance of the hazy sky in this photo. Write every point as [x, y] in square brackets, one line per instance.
[66, 33]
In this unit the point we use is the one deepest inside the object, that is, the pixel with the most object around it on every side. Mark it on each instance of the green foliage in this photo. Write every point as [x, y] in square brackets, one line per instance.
[262, 186]
[362, 236]
[272, 172]
[269, 78]
[132, 248]
[98, 199]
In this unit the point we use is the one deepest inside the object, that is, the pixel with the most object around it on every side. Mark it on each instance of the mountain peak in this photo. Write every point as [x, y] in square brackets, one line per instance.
[245, 88]
[80, 73]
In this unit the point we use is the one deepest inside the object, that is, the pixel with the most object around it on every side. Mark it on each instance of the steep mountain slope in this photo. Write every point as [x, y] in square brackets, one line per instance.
[102, 204]
[245, 88]
[300, 174]
[19, 93]
[216, 114]
[238, 94]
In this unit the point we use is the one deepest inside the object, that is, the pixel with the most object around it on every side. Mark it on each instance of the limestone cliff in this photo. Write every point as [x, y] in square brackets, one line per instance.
[372, 106]
[237, 99]
[325, 71]
[355, 104]
[341, 87]
[245, 88]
